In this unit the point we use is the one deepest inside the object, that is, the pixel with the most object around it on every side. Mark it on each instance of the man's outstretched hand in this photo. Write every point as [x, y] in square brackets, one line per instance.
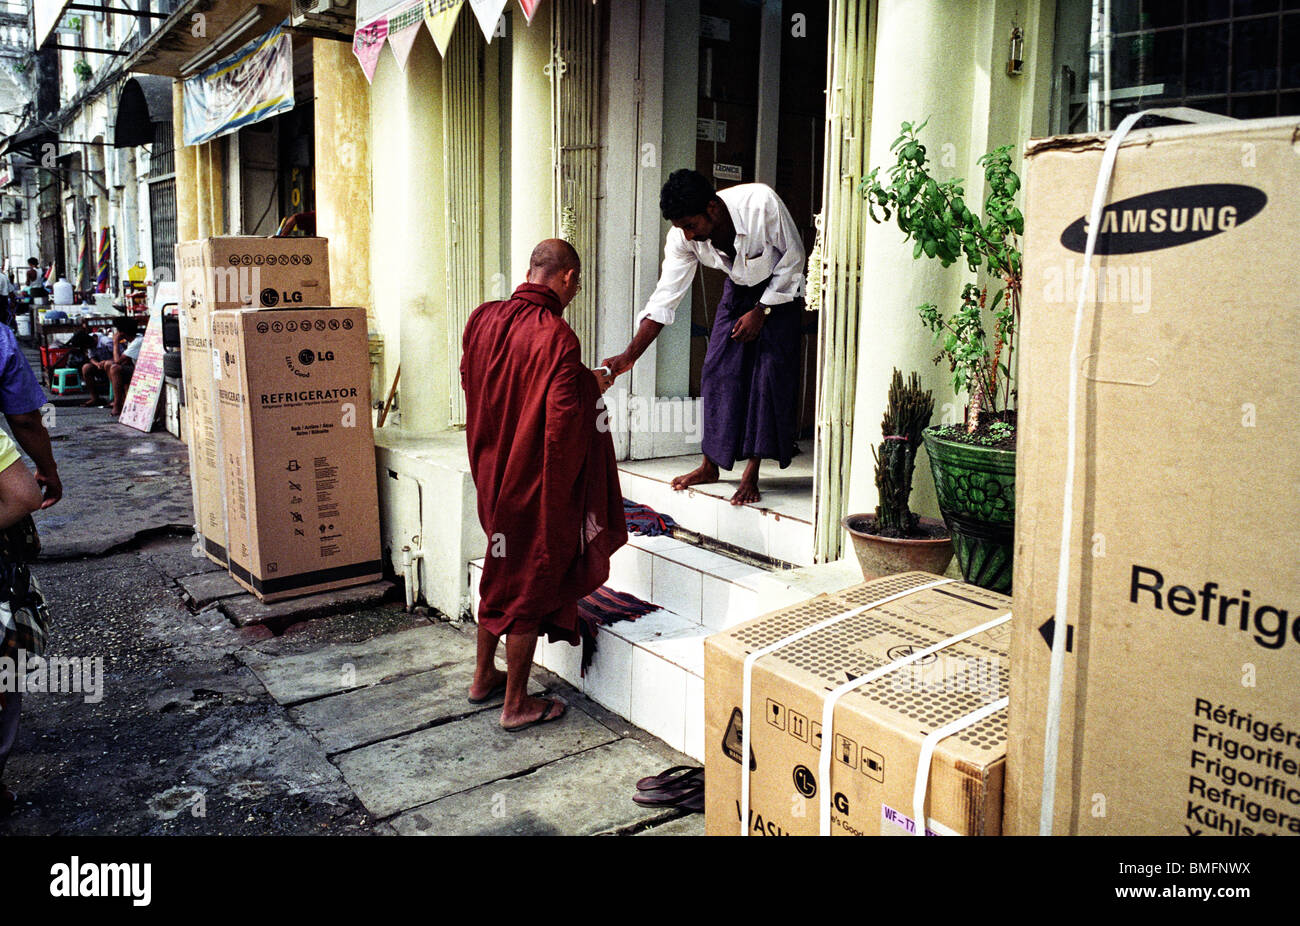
[617, 366]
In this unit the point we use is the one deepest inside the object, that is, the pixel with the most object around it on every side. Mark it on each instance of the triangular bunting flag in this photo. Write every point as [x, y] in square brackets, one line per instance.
[488, 13]
[401, 43]
[440, 16]
[368, 43]
[530, 7]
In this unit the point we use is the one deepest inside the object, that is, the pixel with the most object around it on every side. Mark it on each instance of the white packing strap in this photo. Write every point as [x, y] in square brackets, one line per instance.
[927, 752]
[1056, 676]
[828, 709]
[747, 682]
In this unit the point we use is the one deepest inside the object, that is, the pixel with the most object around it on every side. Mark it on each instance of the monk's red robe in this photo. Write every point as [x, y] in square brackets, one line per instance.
[543, 466]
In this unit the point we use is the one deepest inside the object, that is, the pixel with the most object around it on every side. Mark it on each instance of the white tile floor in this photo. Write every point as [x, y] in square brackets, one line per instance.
[778, 526]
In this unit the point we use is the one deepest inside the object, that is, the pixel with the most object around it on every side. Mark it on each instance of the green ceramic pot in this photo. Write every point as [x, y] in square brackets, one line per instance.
[977, 497]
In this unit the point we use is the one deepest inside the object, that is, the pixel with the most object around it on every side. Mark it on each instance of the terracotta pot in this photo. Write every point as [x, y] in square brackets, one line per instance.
[887, 556]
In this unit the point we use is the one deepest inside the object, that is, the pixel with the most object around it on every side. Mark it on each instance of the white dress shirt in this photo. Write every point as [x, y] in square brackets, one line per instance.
[767, 245]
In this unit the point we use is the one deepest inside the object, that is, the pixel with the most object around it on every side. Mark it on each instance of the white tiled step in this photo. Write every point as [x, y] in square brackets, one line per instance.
[650, 670]
[778, 531]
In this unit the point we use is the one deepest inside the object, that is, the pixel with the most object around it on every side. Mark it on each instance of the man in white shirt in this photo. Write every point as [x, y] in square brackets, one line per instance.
[750, 380]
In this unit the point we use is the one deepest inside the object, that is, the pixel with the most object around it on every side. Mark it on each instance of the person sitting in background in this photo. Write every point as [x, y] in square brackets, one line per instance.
[19, 496]
[82, 347]
[33, 271]
[127, 342]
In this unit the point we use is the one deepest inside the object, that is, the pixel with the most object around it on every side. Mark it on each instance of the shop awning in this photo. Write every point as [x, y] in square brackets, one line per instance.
[398, 23]
[173, 50]
[144, 100]
[29, 142]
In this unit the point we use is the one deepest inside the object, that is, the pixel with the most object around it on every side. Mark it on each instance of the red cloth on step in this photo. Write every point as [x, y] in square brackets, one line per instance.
[543, 465]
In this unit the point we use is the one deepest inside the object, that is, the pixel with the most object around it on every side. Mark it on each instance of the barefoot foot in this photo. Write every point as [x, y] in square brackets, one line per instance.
[703, 474]
[746, 492]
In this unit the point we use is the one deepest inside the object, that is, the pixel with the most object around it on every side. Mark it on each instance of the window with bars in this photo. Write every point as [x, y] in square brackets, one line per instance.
[1240, 58]
[162, 198]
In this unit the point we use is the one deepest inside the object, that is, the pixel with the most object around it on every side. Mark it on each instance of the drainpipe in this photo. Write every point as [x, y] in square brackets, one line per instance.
[411, 573]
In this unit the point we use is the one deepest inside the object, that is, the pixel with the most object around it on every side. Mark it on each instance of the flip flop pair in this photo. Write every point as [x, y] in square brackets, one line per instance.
[680, 786]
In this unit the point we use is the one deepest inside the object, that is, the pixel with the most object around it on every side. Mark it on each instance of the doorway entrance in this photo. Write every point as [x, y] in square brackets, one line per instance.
[743, 101]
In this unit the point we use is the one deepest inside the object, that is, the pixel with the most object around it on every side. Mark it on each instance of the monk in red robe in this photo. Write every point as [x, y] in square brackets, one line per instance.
[543, 466]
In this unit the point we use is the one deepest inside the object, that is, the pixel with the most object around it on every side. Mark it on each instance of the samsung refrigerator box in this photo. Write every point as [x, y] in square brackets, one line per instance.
[293, 387]
[879, 728]
[224, 273]
[1180, 709]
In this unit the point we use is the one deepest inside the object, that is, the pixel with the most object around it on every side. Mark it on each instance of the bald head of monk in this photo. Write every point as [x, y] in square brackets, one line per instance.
[555, 263]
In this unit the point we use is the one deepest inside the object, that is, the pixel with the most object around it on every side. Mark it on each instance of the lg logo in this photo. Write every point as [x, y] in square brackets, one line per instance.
[272, 297]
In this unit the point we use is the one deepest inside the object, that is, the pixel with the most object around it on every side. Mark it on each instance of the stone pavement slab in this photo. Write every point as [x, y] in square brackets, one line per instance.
[690, 825]
[247, 609]
[581, 795]
[339, 667]
[419, 768]
[368, 715]
[117, 484]
[207, 587]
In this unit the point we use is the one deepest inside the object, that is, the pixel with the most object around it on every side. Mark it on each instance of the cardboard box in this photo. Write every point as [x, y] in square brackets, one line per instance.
[224, 273]
[1181, 712]
[878, 729]
[298, 451]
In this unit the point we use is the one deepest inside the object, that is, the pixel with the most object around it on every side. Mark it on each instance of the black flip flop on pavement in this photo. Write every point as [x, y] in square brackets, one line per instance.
[677, 775]
[684, 795]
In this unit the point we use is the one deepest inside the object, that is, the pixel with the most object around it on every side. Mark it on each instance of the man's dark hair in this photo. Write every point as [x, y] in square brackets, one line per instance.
[685, 193]
[32, 261]
[127, 326]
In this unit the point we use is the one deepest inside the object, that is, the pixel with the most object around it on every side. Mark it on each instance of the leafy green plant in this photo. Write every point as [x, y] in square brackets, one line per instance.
[934, 215]
[82, 69]
[906, 416]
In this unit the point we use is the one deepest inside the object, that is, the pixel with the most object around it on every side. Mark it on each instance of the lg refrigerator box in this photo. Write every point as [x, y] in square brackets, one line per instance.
[223, 273]
[879, 727]
[1180, 709]
[297, 449]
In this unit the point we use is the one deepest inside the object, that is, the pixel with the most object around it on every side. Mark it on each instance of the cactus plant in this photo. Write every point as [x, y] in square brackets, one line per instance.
[906, 416]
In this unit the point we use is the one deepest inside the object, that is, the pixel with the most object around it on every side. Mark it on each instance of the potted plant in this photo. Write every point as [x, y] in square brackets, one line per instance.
[974, 463]
[895, 539]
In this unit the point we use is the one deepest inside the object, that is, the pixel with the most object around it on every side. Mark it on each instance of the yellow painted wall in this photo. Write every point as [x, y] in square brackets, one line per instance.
[407, 242]
[343, 170]
[532, 211]
[187, 209]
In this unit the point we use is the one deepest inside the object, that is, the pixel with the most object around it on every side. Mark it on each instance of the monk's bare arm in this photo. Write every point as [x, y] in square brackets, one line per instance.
[644, 336]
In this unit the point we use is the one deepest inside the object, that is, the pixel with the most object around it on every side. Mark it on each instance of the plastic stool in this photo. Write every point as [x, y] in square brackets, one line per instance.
[66, 379]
